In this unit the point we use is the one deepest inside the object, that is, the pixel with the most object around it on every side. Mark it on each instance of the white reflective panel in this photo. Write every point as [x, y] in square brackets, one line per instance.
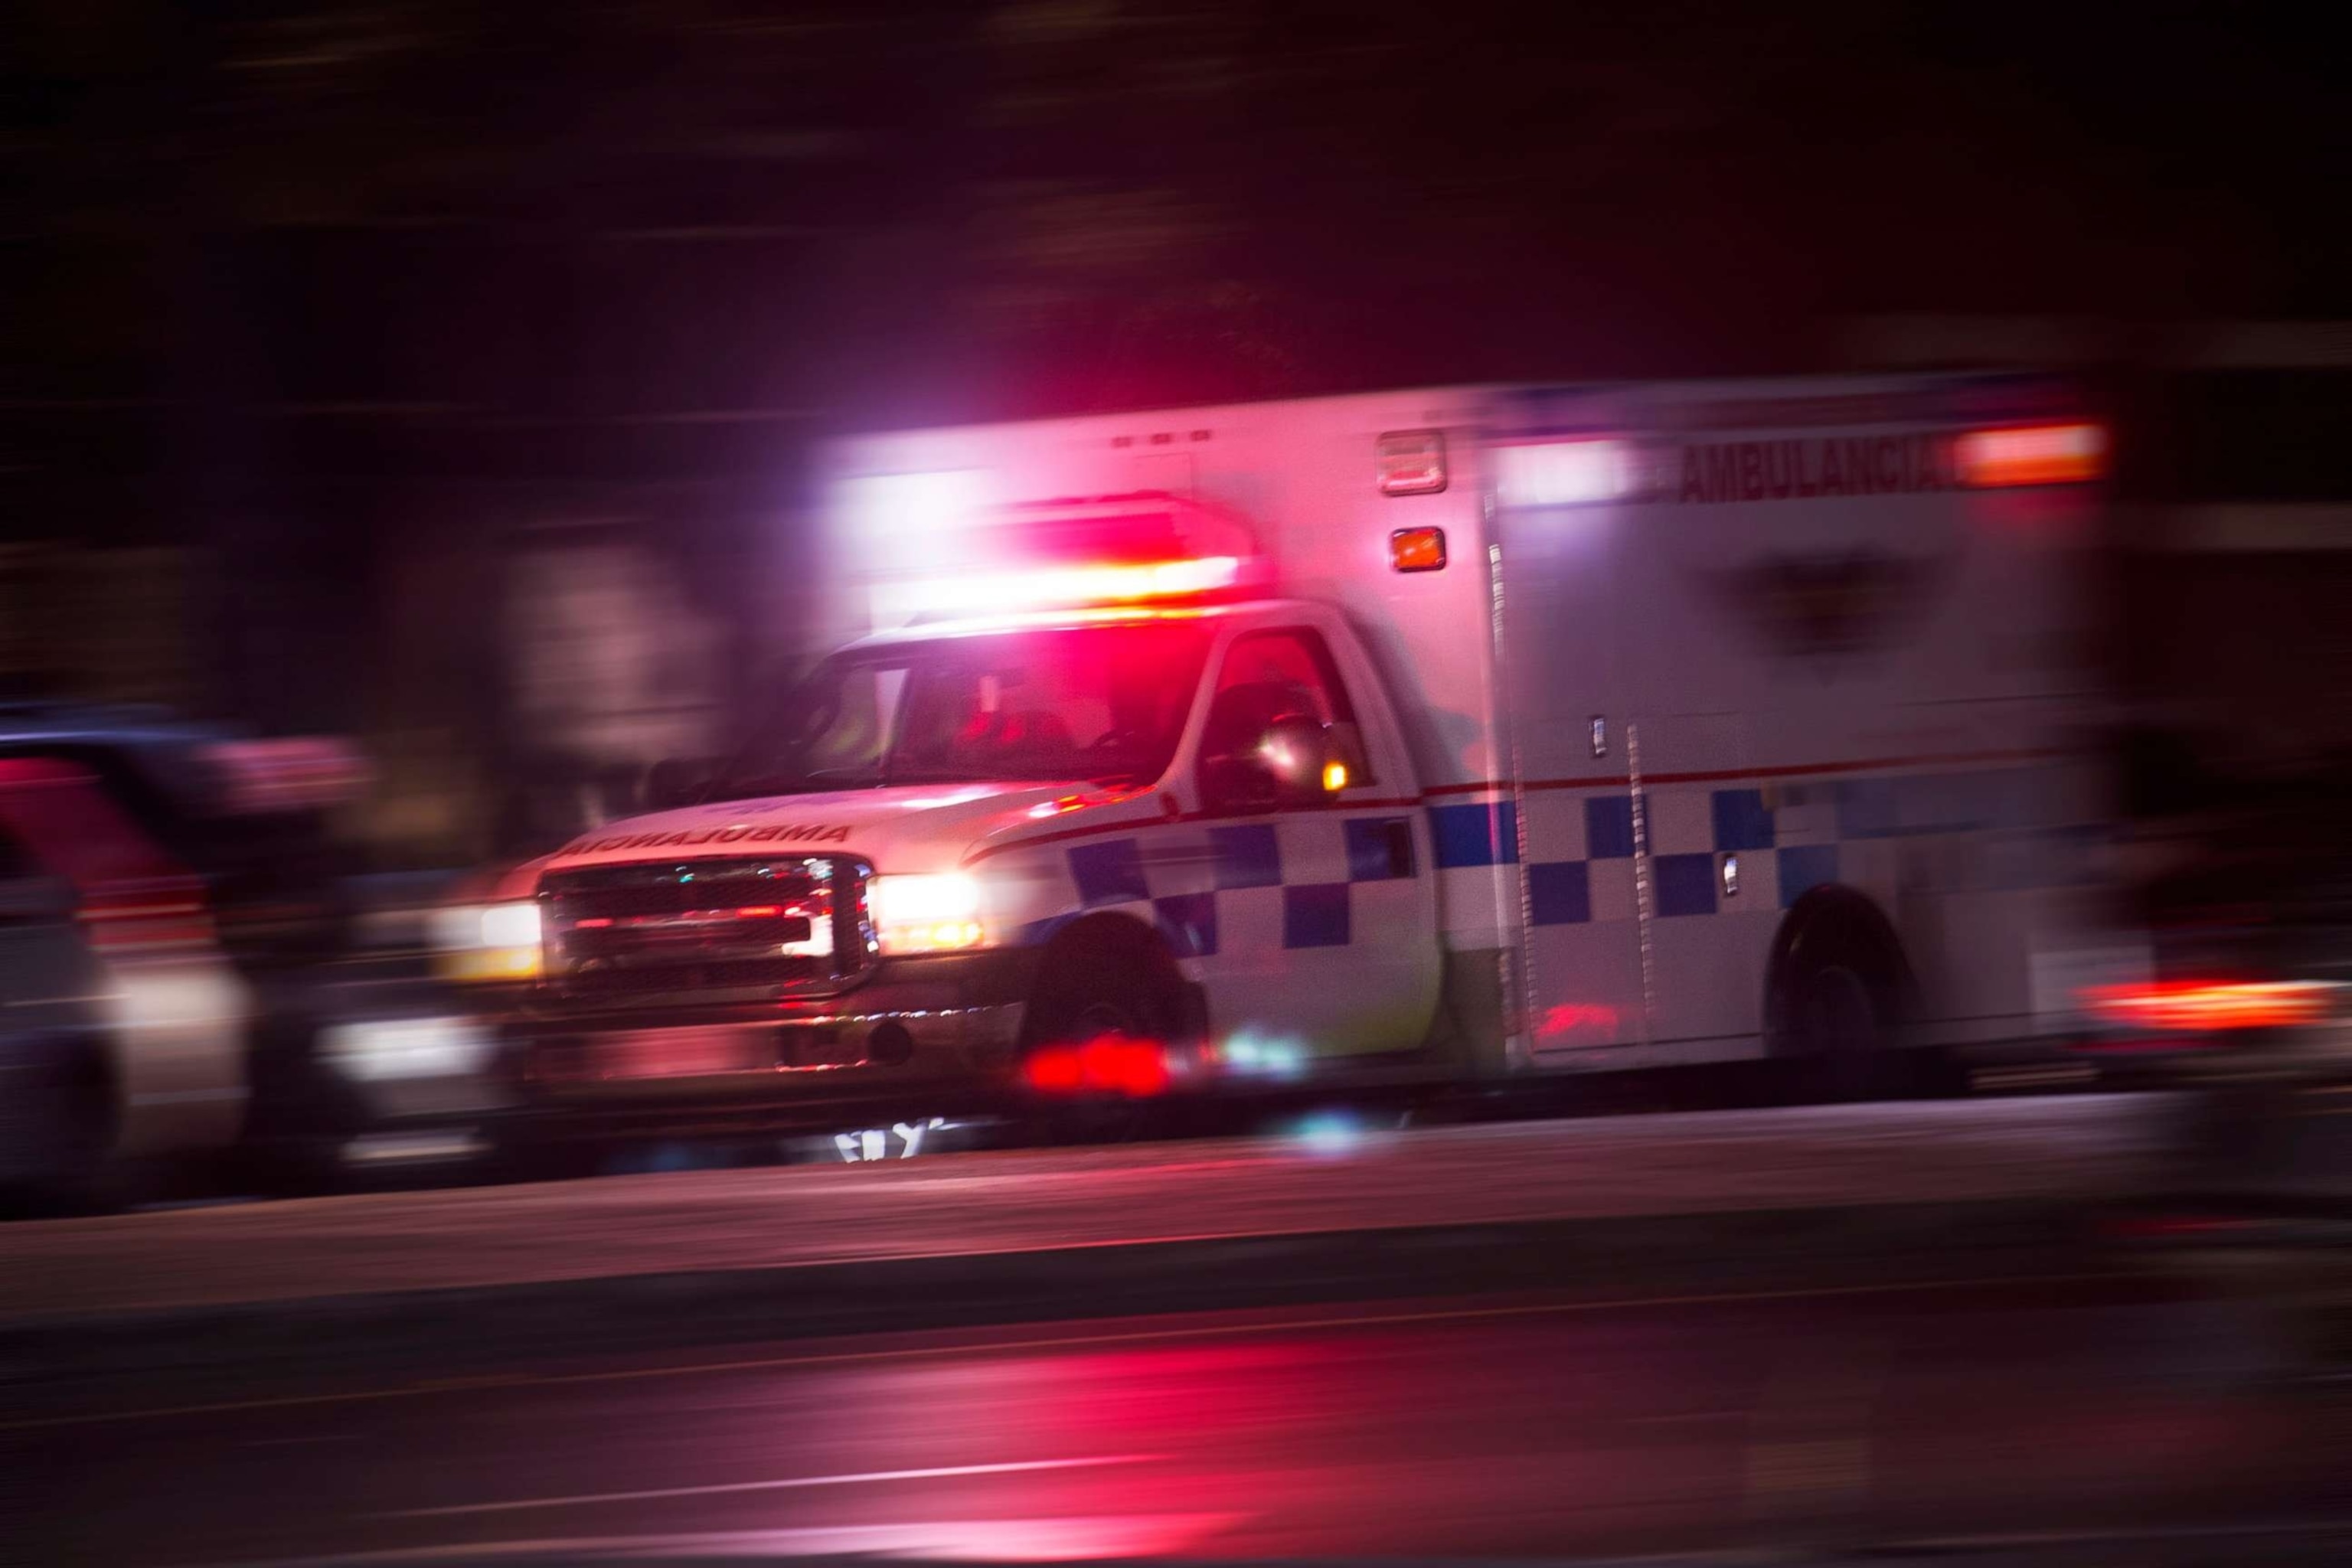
[1412, 462]
[1563, 473]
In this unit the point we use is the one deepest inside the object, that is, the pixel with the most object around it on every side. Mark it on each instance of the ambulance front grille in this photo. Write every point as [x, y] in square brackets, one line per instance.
[701, 931]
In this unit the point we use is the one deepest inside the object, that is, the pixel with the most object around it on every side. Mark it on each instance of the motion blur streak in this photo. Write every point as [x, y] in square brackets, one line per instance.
[1108, 1538]
[789, 1483]
[1066, 779]
[2190, 1005]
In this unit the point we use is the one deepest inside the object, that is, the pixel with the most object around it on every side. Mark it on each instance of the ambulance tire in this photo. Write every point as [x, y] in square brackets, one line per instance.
[1837, 998]
[1104, 976]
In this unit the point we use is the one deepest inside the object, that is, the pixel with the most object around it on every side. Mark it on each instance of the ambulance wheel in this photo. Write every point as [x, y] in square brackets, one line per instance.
[1835, 997]
[1104, 978]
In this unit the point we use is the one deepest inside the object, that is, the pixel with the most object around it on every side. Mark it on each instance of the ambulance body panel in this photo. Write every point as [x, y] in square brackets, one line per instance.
[1802, 676]
[1639, 725]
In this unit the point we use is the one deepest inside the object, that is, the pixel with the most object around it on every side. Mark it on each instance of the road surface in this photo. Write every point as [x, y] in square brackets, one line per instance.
[1862, 1415]
[2078, 1147]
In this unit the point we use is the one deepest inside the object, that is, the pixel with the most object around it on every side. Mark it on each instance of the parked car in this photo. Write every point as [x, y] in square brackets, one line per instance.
[240, 1011]
[132, 1039]
[57, 1100]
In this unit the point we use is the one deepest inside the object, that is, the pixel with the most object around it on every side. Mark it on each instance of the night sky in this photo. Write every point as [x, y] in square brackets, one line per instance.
[875, 214]
[332, 290]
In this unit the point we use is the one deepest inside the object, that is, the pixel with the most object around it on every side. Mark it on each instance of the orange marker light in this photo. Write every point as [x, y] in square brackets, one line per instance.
[1335, 777]
[1417, 549]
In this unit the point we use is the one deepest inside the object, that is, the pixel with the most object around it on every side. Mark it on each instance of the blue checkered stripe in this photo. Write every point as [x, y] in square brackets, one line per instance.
[1581, 849]
[1321, 871]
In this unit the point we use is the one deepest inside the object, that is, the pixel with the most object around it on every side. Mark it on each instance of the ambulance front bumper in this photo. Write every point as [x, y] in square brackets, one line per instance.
[932, 1034]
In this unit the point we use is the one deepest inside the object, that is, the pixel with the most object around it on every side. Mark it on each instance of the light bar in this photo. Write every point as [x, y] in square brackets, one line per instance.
[2032, 455]
[1563, 473]
[1054, 587]
[2210, 1007]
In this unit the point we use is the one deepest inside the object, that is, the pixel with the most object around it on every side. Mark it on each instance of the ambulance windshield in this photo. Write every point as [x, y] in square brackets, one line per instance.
[1098, 704]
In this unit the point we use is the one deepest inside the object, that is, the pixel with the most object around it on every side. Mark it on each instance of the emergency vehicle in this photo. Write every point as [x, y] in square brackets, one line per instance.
[1422, 736]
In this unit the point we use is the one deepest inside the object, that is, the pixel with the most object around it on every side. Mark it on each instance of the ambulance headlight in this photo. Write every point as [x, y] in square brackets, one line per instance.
[934, 912]
[489, 941]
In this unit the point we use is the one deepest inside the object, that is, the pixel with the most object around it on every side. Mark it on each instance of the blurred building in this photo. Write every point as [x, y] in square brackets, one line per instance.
[110, 625]
[2229, 537]
[333, 319]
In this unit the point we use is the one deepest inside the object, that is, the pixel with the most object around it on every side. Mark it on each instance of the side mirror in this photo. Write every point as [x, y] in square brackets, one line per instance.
[1294, 753]
[679, 781]
[1281, 766]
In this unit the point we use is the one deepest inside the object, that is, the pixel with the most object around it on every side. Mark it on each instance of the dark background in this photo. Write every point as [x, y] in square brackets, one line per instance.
[318, 315]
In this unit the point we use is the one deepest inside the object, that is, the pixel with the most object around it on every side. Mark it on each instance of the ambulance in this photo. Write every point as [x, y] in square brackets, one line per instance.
[1425, 737]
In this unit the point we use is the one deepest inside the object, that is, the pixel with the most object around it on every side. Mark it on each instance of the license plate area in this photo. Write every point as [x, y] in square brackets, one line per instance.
[698, 1051]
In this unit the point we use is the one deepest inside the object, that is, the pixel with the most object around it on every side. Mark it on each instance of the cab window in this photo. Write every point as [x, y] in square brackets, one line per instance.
[1104, 704]
[1288, 671]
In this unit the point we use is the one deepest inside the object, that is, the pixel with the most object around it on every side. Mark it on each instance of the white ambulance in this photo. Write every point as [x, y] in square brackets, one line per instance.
[1421, 736]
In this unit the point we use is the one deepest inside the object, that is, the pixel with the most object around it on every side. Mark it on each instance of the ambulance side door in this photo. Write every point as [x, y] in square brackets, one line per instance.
[1326, 913]
[1565, 699]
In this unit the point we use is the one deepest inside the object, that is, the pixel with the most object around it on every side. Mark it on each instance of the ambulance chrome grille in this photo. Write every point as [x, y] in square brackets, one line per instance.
[701, 931]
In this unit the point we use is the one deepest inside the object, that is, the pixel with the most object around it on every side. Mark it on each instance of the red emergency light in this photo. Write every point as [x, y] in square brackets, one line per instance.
[2021, 454]
[1109, 552]
[1105, 585]
[2211, 1007]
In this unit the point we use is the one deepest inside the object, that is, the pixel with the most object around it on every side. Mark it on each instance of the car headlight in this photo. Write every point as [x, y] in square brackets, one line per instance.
[933, 913]
[489, 941]
[378, 1050]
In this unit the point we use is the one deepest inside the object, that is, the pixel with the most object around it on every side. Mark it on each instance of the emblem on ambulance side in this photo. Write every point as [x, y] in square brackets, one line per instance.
[1826, 606]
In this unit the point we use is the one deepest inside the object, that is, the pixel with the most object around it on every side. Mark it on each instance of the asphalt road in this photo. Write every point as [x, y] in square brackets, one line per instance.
[2074, 1148]
[2040, 1402]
